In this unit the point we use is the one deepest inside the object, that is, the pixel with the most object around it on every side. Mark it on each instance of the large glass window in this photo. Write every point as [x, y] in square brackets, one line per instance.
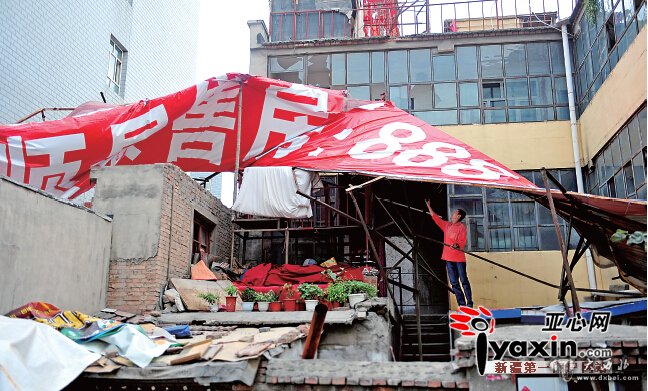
[538, 58]
[421, 97]
[445, 95]
[466, 62]
[517, 92]
[338, 61]
[491, 61]
[357, 68]
[619, 168]
[515, 60]
[599, 45]
[420, 68]
[288, 68]
[319, 70]
[398, 95]
[378, 67]
[444, 68]
[397, 66]
[498, 220]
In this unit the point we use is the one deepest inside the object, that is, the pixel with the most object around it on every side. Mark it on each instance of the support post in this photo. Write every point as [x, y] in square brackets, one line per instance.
[314, 332]
[372, 245]
[419, 337]
[561, 244]
[237, 163]
[286, 245]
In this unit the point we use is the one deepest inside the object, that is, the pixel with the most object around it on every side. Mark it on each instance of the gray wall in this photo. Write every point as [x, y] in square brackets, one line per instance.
[51, 250]
[54, 53]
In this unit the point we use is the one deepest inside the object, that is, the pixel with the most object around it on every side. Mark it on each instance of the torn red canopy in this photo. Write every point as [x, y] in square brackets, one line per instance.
[282, 124]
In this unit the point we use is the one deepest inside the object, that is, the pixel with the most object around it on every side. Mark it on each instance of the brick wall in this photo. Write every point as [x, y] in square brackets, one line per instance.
[138, 273]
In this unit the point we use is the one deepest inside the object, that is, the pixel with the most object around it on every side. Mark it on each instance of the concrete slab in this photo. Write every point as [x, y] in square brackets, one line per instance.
[241, 318]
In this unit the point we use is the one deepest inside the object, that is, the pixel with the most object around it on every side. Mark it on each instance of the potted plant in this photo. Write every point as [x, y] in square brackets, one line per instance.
[211, 299]
[289, 301]
[263, 301]
[230, 299]
[359, 291]
[275, 305]
[248, 299]
[337, 294]
[309, 293]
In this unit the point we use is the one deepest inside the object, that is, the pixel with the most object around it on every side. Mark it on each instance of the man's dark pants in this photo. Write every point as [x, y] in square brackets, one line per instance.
[456, 272]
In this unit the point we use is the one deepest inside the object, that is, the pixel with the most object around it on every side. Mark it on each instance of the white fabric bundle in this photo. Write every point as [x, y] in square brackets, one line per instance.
[272, 192]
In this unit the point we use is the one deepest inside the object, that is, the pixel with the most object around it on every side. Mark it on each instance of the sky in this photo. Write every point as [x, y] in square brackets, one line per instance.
[224, 46]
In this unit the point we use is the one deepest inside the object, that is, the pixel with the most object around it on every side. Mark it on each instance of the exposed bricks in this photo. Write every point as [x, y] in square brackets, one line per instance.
[434, 384]
[311, 380]
[630, 344]
[136, 286]
[338, 381]
[448, 384]
[324, 381]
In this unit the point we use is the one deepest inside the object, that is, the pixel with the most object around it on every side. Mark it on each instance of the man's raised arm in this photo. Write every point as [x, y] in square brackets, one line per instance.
[436, 218]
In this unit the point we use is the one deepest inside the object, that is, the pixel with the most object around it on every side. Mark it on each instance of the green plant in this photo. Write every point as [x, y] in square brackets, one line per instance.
[592, 8]
[360, 287]
[209, 297]
[248, 295]
[290, 290]
[310, 291]
[337, 292]
[231, 290]
[267, 297]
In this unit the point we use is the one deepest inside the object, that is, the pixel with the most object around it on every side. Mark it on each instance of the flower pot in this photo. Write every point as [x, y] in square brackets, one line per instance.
[355, 298]
[311, 304]
[263, 306]
[337, 304]
[248, 306]
[290, 305]
[301, 306]
[214, 308]
[230, 303]
[275, 306]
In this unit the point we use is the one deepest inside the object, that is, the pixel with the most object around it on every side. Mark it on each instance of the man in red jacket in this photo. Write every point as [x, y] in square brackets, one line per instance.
[454, 235]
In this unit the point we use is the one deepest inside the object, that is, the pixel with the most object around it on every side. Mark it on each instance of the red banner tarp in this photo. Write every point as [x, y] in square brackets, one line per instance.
[282, 124]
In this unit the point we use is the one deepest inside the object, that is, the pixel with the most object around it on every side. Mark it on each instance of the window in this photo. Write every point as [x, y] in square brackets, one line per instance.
[459, 87]
[493, 93]
[466, 62]
[444, 67]
[358, 68]
[201, 235]
[599, 46]
[491, 60]
[397, 66]
[420, 68]
[288, 68]
[619, 168]
[115, 61]
[498, 220]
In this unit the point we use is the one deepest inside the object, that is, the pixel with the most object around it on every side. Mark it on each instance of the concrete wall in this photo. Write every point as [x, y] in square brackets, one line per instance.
[55, 53]
[153, 208]
[520, 146]
[51, 250]
[622, 93]
[494, 287]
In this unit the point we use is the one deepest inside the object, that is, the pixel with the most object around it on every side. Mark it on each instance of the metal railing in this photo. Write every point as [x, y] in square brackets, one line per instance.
[404, 18]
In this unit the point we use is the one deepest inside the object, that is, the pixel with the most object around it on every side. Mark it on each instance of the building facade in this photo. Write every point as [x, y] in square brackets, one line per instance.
[126, 49]
[495, 78]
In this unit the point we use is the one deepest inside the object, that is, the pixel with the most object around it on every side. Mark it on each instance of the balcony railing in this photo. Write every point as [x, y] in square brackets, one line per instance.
[378, 18]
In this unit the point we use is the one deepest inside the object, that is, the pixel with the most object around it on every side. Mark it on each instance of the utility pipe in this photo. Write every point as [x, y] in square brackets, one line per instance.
[575, 140]
[314, 332]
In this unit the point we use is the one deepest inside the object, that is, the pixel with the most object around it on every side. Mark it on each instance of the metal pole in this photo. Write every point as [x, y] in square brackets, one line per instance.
[591, 276]
[237, 163]
[417, 294]
[561, 244]
[287, 245]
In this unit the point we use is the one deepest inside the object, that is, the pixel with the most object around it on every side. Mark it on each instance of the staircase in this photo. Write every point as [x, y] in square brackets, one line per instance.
[435, 336]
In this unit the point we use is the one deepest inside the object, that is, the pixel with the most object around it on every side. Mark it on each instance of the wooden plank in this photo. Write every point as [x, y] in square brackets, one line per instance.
[195, 352]
[190, 289]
